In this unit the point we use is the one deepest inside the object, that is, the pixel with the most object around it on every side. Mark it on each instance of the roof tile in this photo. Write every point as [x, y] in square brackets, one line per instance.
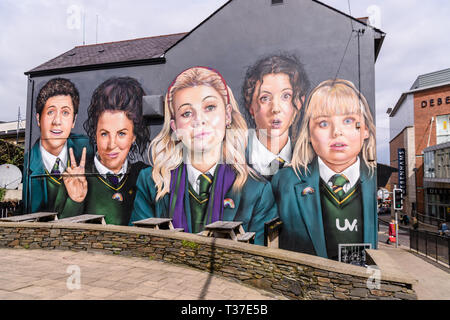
[119, 51]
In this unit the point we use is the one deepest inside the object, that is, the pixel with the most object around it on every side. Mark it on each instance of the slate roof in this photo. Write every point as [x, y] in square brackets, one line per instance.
[112, 52]
[432, 79]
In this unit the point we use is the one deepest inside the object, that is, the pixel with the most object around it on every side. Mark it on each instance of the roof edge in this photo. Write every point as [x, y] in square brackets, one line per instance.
[377, 50]
[198, 26]
[349, 16]
[127, 40]
[404, 94]
[406, 127]
[91, 67]
[437, 147]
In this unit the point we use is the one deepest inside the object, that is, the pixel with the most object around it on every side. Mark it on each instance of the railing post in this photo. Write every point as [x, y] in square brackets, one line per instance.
[436, 237]
[417, 240]
[411, 238]
[448, 248]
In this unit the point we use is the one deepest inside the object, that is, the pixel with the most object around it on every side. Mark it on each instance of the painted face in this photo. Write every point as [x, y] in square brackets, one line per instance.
[114, 139]
[56, 121]
[337, 140]
[200, 118]
[272, 105]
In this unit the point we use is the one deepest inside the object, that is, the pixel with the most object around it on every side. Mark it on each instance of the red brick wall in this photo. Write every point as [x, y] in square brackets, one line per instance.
[422, 115]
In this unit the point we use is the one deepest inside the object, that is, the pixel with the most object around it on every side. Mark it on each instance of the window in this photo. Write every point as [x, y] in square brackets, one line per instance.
[443, 128]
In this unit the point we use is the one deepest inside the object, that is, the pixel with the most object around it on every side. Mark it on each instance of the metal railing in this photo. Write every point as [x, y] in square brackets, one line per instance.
[430, 244]
[9, 209]
[429, 219]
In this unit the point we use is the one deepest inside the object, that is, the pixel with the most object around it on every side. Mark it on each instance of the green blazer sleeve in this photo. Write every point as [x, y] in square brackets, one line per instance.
[264, 211]
[144, 204]
[69, 208]
[254, 205]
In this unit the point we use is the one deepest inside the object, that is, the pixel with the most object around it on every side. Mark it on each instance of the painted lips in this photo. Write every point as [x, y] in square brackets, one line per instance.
[338, 146]
[276, 124]
[202, 135]
[112, 155]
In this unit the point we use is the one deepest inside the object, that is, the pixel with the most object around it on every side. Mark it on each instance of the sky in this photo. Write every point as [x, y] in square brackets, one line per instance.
[35, 31]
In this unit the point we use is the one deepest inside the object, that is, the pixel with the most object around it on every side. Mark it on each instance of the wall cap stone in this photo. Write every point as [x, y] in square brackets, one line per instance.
[385, 263]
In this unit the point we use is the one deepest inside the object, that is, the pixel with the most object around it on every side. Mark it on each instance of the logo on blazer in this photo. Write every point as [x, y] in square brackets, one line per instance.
[117, 196]
[347, 225]
[307, 190]
[228, 202]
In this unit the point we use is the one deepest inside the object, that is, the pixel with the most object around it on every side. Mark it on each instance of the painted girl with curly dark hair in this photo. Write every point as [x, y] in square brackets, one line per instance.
[274, 91]
[115, 127]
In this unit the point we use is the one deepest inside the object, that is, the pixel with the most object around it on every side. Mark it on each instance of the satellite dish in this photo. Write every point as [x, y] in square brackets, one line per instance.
[10, 176]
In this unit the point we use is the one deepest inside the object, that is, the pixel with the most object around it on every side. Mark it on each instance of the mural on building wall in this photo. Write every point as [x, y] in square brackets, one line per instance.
[305, 156]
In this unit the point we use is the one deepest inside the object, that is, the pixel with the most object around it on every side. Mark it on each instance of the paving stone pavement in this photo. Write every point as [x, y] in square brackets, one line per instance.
[45, 274]
[433, 282]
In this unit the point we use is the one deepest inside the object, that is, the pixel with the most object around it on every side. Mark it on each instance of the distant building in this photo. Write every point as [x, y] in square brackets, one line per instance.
[419, 124]
[13, 132]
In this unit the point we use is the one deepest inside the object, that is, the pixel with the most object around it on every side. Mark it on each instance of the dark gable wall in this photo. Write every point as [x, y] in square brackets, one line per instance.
[244, 30]
[235, 37]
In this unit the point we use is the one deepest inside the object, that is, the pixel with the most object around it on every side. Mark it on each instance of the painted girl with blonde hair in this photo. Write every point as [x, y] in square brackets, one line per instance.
[199, 174]
[327, 196]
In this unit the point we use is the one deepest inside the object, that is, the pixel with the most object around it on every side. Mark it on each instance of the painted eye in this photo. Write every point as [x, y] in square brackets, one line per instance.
[187, 114]
[349, 121]
[264, 99]
[323, 124]
[50, 112]
[211, 107]
[66, 113]
[122, 134]
[286, 96]
[103, 134]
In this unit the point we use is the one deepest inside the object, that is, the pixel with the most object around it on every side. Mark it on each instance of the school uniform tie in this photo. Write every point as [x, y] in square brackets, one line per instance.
[55, 170]
[281, 162]
[338, 181]
[206, 180]
[114, 179]
[199, 204]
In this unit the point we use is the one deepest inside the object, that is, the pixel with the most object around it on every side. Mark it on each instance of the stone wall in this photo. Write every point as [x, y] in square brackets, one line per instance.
[294, 275]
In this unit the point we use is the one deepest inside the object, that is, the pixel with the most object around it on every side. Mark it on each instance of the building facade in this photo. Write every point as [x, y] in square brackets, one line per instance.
[419, 124]
[437, 181]
[13, 132]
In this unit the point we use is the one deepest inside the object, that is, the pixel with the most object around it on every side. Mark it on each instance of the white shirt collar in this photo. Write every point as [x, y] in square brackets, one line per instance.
[49, 160]
[352, 173]
[104, 170]
[261, 158]
[193, 175]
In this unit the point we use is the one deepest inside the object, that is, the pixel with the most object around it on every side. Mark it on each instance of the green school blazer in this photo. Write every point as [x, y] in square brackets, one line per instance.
[115, 203]
[34, 192]
[253, 205]
[300, 209]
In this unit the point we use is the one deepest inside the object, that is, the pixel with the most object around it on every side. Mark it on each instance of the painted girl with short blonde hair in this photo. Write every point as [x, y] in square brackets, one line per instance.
[338, 97]
[326, 198]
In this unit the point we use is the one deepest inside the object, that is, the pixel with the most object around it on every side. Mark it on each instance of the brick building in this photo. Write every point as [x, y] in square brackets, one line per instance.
[419, 123]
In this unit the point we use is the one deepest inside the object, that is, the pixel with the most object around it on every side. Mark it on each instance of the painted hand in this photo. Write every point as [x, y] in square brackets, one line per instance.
[74, 178]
